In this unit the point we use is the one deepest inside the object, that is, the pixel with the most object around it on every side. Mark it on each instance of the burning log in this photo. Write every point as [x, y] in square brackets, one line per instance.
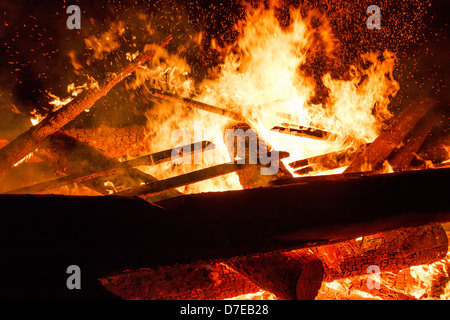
[115, 167]
[390, 251]
[251, 176]
[28, 141]
[389, 139]
[195, 104]
[184, 179]
[196, 281]
[114, 141]
[401, 158]
[329, 161]
[306, 132]
[71, 157]
[289, 275]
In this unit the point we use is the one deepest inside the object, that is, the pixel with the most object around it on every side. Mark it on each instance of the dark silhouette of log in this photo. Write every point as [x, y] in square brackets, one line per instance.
[107, 234]
[28, 141]
[389, 139]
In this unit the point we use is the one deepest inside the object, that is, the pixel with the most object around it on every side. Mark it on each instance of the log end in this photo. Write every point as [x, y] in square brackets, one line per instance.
[310, 280]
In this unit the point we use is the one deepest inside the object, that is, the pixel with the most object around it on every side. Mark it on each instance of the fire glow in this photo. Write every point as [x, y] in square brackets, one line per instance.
[277, 85]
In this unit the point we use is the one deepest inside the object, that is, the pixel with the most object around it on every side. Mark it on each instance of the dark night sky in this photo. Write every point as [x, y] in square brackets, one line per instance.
[35, 41]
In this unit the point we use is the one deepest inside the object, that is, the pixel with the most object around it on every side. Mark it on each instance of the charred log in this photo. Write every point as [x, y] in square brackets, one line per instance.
[388, 140]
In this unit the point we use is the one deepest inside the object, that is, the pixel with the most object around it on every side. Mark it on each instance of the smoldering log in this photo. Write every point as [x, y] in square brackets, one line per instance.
[196, 281]
[394, 285]
[28, 141]
[390, 138]
[291, 276]
[115, 167]
[402, 157]
[296, 274]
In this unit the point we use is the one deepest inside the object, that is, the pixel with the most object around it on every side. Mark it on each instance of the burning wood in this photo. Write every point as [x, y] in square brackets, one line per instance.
[195, 104]
[248, 145]
[389, 139]
[296, 274]
[196, 281]
[306, 132]
[401, 158]
[28, 141]
[114, 141]
[184, 179]
[116, 167]
[71, 157]
[328, 161]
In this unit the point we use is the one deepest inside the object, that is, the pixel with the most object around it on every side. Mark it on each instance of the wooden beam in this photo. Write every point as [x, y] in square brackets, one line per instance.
[390, 138]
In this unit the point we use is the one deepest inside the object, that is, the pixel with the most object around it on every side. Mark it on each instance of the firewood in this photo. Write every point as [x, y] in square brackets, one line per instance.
[28, 141]
[328, 161]
[114, 142]
[113, 168]
[279, 272]
[401, 158]
[195, 104]
[307, 132]
[196, 281]
[70, 157]
[251, 177]
[183, 179]
[292, 276]
[296, 274]
[390, 138]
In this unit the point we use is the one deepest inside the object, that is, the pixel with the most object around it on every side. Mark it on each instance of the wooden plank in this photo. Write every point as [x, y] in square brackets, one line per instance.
[389, 139]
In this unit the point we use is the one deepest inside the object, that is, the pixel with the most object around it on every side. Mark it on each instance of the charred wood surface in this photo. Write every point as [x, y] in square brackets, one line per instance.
[402, 157]
[296, 274]
[388, 140]
[196, 281]
[115, 141]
